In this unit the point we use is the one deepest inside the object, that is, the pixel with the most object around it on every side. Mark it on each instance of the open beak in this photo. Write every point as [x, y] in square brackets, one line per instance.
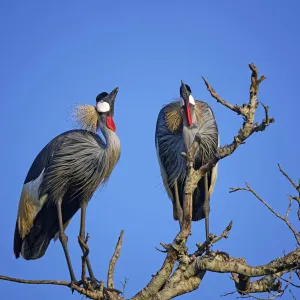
[187, 106]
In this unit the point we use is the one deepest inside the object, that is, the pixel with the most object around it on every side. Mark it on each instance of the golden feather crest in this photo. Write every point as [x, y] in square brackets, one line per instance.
[86, 117]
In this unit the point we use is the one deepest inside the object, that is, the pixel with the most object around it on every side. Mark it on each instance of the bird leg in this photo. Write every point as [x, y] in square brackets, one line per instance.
[64, 240]
[82, 237]
[206, 207]
[179, 211]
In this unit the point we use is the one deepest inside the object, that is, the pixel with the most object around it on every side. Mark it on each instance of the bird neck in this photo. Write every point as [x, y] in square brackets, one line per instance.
[112, 143]
[193, 115]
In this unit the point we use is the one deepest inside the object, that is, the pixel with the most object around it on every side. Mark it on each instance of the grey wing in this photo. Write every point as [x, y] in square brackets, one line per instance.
[169, 146]
[31, 201]
[33, 197]
[209, 135]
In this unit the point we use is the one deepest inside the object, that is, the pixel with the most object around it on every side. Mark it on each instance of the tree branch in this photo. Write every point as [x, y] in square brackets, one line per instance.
[80, 290]
[297, 187]
[284, 219]
[212, 240]
[248, 128]
[220, 264]
[112, 264]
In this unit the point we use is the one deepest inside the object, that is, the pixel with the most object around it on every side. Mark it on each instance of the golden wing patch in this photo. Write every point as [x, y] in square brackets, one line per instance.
[173, 116]
[27, 211]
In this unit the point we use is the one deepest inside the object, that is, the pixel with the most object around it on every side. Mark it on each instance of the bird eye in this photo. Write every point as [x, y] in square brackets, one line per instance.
[102, 107]
[191, 99]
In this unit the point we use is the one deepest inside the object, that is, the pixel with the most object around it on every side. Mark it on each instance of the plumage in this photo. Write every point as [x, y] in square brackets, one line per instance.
[70, 167]
[172, 137]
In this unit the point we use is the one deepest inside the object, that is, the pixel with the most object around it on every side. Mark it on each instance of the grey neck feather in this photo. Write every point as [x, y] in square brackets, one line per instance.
[112, 143]
[189, 132]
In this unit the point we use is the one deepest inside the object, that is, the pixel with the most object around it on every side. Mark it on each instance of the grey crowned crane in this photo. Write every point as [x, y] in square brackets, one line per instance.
[63, 178]
[176, 127]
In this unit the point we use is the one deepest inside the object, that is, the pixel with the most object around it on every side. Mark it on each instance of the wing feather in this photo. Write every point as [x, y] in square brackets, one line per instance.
[170, 144]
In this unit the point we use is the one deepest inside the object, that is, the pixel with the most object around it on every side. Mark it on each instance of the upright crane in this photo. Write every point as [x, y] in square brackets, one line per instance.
[176, 128]
[63, 178]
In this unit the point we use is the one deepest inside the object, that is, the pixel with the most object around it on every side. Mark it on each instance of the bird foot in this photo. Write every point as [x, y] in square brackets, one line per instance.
[74, 283]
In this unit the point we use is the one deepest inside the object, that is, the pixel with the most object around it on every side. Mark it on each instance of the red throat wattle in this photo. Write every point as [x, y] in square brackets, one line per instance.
[188, 115]
[110, 123]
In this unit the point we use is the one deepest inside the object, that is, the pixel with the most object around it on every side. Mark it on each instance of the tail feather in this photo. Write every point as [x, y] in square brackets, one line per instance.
[198, 201]
[45, 226]
[34, 250]
[44, 229]
[17, 242]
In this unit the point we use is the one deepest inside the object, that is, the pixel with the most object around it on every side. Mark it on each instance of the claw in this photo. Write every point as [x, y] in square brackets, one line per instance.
[73, 283]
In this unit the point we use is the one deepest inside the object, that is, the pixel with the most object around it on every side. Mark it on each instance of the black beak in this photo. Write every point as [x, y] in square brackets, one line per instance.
[111, 100]
[184, 93]
[112, 96]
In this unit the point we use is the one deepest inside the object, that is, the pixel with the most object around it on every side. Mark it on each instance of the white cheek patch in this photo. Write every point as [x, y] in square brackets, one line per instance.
[102, 107]
[191, 99]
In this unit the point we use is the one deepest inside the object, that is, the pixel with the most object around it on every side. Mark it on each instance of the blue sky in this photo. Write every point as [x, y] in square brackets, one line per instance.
[56, 54]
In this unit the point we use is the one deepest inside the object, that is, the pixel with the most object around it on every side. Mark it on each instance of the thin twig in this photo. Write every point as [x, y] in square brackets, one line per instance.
[247, 111]
[229, 293]
[29, 281]
[288, 281]
[284, 219]
[212, 240]
[213, 93]
[80, 290]
[265, 122]
[124, 286]
[292, 295]
[111, 269]
[289, 208]
[289, 178]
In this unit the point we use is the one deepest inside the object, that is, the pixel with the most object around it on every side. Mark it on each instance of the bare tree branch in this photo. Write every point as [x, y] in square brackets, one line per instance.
[284, 219]
[220, 264]
[234, 108]
[213, 239]
[80, 290]
[248, 128]
[297, 187]
[112, 264]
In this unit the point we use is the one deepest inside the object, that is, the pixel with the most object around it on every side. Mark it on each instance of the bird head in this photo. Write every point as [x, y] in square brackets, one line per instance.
[105, 107]
[188, 102]
[88, 116]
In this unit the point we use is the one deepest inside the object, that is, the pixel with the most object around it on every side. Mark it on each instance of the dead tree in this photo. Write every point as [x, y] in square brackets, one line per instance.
[273, 278]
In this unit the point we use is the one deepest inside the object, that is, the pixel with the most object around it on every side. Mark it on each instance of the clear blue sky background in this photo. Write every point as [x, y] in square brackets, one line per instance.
[59, 53]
